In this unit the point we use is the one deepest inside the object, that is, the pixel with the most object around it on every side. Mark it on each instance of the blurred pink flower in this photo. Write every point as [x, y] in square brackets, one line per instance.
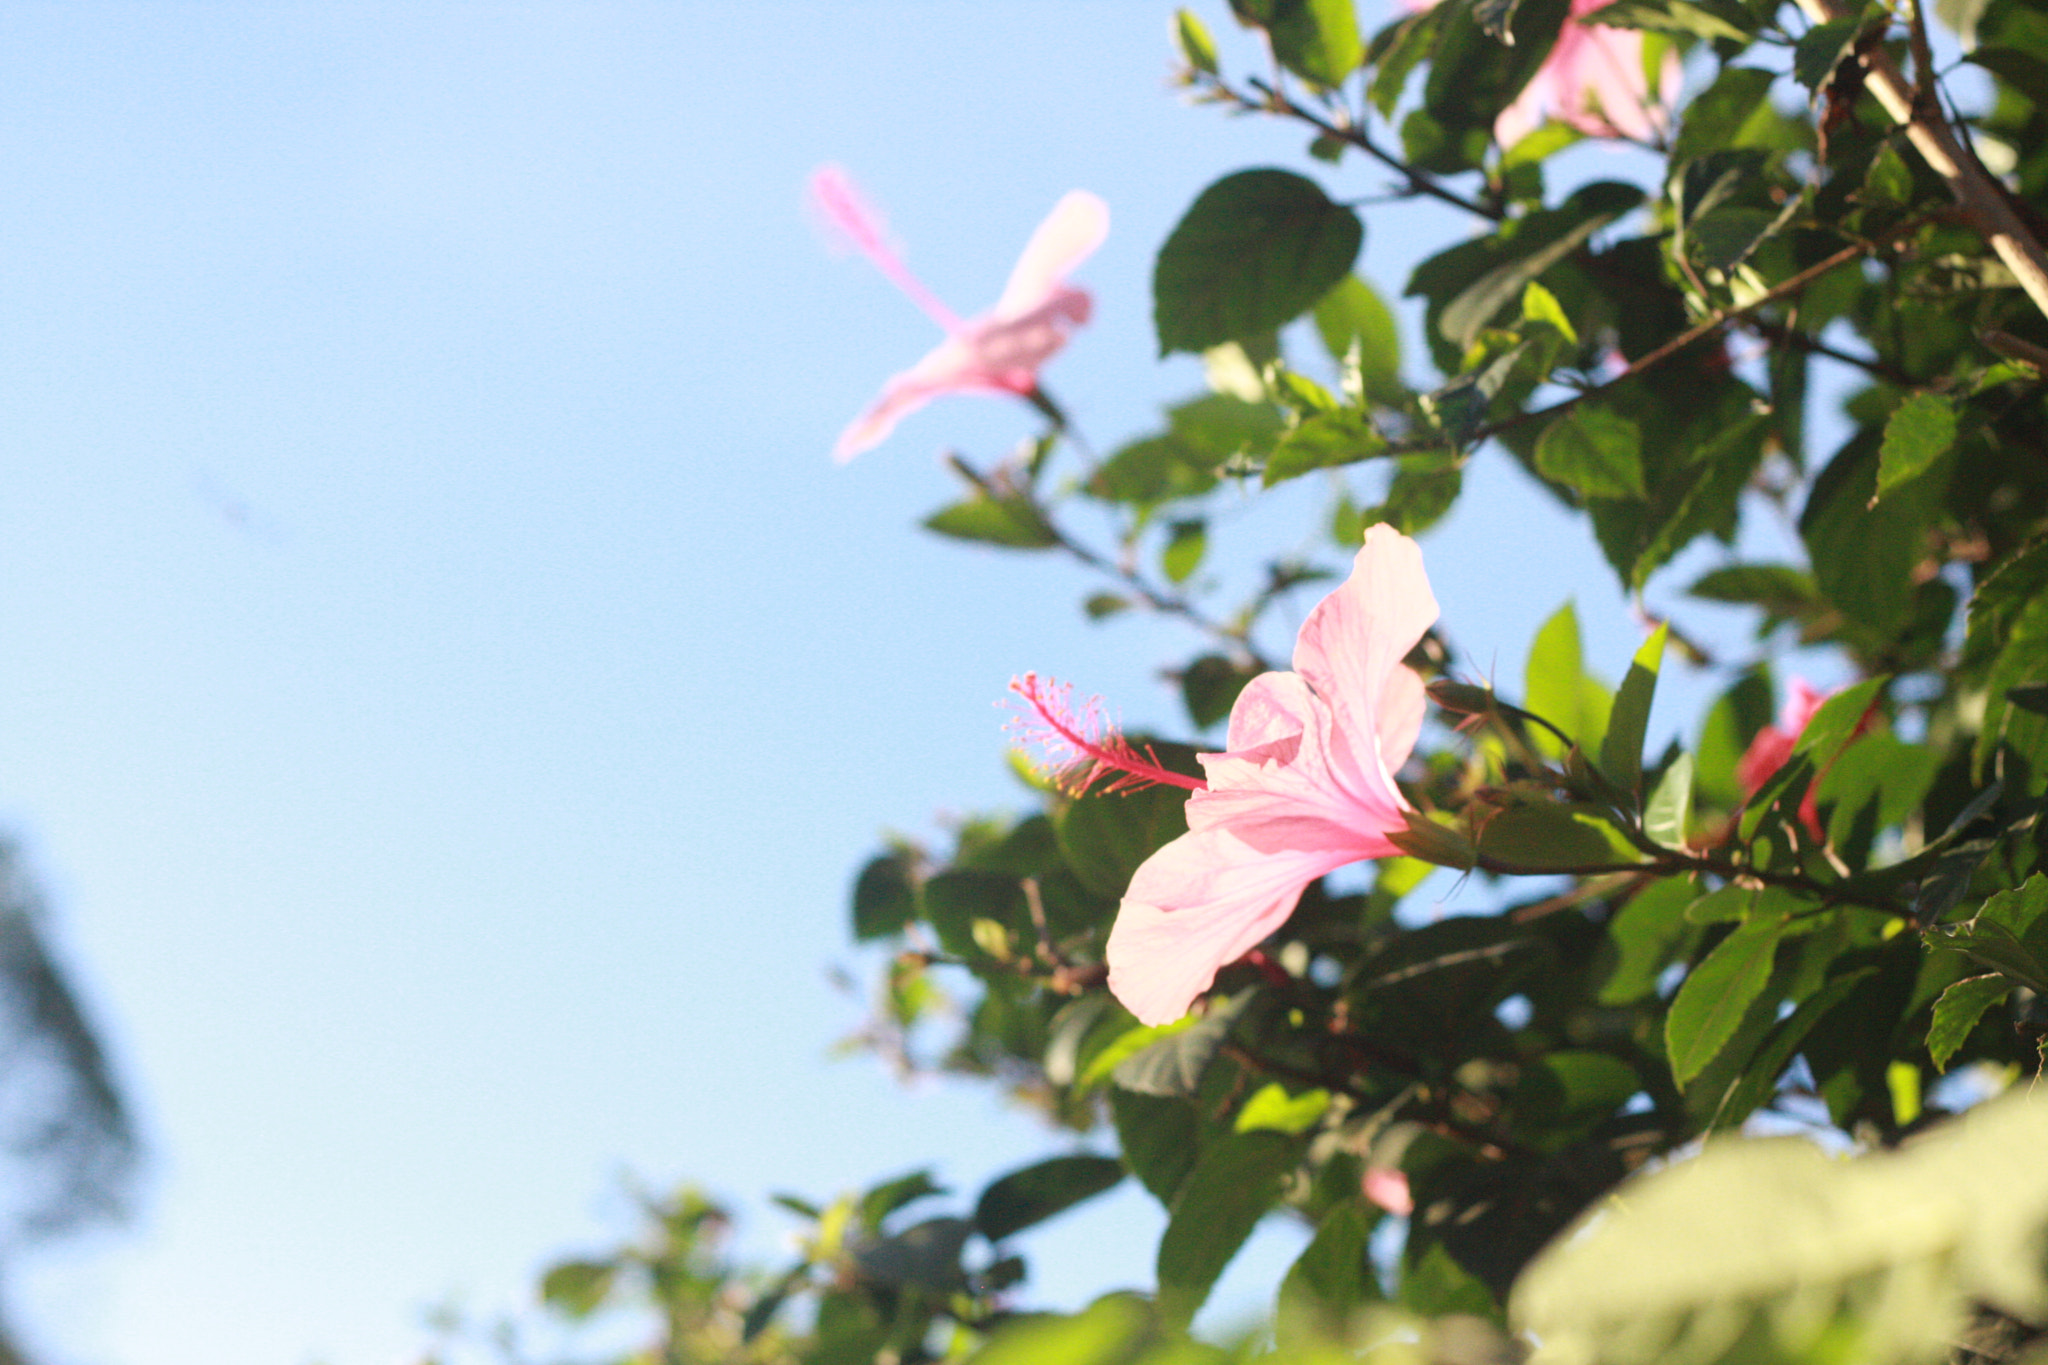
[1772, 748]
[998, 352]
[1594, 81]
[1305, 786]
[1387, 1186]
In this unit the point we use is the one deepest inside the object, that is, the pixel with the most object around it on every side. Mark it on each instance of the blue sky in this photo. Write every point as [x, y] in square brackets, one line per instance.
[448, 686]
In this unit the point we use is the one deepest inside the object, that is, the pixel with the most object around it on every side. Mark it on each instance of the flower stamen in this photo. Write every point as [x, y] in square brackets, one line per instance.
[1078, 747]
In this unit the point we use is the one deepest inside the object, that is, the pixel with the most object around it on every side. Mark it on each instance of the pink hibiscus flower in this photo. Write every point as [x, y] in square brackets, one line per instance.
[1594, 81]
[1305, 786]
[1772, 749]
[1000, 351]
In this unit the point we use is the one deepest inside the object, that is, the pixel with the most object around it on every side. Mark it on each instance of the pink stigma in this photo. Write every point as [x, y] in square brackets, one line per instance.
[1079, 747]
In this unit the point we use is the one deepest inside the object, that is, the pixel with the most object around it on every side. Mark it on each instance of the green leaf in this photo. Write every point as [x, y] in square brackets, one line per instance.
[1821, 49]
[1331, 1280]
[1831, 728]
[1558, 837]
[1759, 1077]
[1271, 1107]
[1594, 451]
[954, 899]
[1668, 814]
[1026, 1197]
[1920, 431]
[1709, 19]
[1540, 305]
[1186, 543]
[1959, 1009]
[1317, 40]
[576, 1289]
[1234, 1184]
[1621, 750]
[1197, 48]
[1715, 996]
[1716, 118]
[1482, 300]
[923, 1256]
[1209, 688]
[1111, 1331]
[883, 898]
[1013, 522]
[1648, 935]
[1158, 1136]
[1255, 249]
[891, 1195]
[1173, 1061]
[1104, 836]
[1353, 314]
[1556, 688]
[1323, 441]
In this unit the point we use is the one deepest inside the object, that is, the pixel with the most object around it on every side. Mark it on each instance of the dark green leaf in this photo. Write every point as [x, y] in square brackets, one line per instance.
[1105, 835]
[1234, 1184]
[1715, 996]
[1821, 49]
[1831, 728]
[1593, 450]
[1958, 1011]
[1710, 19]
[1027, 1197]
[1256, 249]
[883, 898]
[1209, 687]
[1919, 432]
[891, 1195]
[1157, 1135]
[1484, 298]
[1759, 1077]
[924, 1256]
[956, 898]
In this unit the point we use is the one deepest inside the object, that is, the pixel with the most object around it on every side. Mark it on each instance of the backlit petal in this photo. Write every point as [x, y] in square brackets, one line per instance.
[1200, 902]
[1068, 236]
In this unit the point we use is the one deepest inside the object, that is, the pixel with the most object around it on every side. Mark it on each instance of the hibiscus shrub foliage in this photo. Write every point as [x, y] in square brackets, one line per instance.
[1214, 957]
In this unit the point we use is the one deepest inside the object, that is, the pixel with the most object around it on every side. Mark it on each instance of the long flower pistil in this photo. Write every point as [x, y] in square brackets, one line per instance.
[1079, 746]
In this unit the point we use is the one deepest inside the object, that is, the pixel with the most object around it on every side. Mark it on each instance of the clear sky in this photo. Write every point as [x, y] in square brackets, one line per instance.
[448, 688]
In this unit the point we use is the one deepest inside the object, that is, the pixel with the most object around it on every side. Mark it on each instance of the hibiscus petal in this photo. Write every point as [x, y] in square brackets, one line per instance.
[1350, 649]
[947, 368]
[1068, 236]
[1200, 902]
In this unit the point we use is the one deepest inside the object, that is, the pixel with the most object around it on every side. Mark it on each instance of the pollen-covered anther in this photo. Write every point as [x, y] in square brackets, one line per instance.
[1078, 746]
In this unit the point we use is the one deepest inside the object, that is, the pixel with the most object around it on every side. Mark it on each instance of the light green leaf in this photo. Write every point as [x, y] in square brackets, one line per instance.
[1322, 441]
[1014, 522]
[1353, 314]
[1540, 305]
[1668, 813]
[1187, 542]
[1272, 1107]
[1197, 48]
[1621, 751]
